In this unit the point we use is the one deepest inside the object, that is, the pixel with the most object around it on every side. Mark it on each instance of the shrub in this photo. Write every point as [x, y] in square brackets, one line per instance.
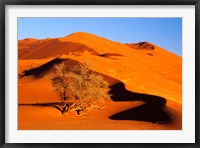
[89, 89]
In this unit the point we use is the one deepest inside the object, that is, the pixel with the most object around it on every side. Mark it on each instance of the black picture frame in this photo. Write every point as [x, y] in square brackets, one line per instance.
[4, 3]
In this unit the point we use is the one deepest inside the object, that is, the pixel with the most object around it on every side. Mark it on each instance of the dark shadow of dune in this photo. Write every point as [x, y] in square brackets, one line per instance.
[145, 112]
[150, 54]
[153, 109]
[39, 71]
[119, 93]
[108, 55]
[141, 46]
[145, 45]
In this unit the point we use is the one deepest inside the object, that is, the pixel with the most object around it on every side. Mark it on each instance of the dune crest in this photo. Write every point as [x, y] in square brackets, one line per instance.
[141, 45]
[143, 73]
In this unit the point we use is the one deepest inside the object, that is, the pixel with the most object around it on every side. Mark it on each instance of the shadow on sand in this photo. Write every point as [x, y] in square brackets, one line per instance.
[58, 105]
[39, 72]
[151, 111]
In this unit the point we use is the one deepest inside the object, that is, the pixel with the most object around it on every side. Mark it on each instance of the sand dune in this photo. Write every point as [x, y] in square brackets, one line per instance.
[142, 73]
[141, 45]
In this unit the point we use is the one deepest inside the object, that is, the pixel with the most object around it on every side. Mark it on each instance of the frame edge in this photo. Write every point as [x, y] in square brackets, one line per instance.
[2, 74]
[197, 61]
[2, 66]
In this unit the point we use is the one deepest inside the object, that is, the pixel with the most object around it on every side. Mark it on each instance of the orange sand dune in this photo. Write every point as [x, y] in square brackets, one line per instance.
[133, 64]
[52, 48]
[147, 75]
[141, 45]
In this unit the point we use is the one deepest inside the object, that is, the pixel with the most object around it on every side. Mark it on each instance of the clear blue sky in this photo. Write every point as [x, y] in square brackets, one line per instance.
[164, 32]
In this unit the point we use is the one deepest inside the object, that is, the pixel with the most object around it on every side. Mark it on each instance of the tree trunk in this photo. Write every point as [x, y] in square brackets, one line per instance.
[65, 108]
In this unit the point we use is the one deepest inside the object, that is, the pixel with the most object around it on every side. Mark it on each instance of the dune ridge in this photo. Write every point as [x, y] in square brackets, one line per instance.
[144, 77]
[141, 45]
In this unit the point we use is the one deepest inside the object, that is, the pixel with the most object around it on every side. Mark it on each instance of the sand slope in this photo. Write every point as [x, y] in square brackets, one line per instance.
[144, 69]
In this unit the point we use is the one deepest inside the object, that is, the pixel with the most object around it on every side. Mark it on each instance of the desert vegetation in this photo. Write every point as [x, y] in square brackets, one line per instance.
[87, 89]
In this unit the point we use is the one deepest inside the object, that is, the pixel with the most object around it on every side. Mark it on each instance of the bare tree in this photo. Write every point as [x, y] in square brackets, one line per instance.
[60, 82]
[89, 89]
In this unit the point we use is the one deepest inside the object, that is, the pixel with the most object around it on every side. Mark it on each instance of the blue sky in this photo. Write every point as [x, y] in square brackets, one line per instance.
[164, 32]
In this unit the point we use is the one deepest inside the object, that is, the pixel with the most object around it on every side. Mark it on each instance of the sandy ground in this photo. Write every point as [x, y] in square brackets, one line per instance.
[47, 118]
[143, 72]
[44, 118]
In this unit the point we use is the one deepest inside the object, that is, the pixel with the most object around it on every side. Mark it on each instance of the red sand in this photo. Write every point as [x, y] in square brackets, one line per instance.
[155, 72]
[49, 118]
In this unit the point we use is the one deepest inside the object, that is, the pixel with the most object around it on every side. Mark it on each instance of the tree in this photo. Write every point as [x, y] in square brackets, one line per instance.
[89, 89]
[60, 82]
